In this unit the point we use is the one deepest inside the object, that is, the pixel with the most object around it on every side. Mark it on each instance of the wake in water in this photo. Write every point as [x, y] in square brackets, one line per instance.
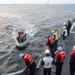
[26, 27]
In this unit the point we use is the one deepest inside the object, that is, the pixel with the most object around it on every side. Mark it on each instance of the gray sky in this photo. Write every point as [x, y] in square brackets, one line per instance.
[37, 1]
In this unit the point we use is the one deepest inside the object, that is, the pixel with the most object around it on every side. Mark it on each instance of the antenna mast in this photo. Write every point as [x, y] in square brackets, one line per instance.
[48, 1]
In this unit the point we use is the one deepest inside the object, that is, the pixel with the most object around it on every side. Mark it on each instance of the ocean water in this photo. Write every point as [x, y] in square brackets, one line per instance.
[37, 21]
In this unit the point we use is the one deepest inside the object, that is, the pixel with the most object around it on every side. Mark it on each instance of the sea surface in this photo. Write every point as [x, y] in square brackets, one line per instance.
[37, 21]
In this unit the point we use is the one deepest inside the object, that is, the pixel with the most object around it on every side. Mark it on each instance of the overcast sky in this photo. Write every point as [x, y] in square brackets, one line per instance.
[37, 1]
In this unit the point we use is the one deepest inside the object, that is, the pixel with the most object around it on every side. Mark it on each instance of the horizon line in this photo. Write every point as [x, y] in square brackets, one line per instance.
[33, 3]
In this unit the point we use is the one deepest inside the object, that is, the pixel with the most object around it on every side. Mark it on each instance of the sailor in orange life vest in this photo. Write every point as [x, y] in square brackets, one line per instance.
[50, 44]
[28, 60]
[72, 61]
[59, 57]
[21, 37]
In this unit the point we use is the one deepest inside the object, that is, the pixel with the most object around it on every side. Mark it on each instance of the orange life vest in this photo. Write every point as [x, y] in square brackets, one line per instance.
[51, 40]
[72, 53]
[29, 58]
[62, 55]
[22, 38]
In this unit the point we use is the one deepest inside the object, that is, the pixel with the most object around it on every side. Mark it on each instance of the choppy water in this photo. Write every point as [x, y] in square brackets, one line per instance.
[37, 20]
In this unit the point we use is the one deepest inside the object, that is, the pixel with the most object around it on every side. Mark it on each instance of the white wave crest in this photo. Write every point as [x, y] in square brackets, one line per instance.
[7, 15]
[28, 28]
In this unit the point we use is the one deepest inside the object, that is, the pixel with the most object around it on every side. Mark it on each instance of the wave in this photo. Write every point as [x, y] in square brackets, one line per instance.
[7, 15]
[26, 27]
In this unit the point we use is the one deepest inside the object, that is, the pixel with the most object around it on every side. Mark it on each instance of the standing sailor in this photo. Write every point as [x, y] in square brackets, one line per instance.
[50, 44]
[68, 27]
[55, 38]
[47, 63]
[72, 62]
[59, 57]
[64, 34]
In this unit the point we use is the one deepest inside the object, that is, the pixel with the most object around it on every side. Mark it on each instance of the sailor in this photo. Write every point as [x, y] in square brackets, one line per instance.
[47, 63]
[28, 60]
[50, 44]
[55, 38]
[72, 61]
[49, 41]
[64, 34]
[69, 27]
[21, 37]
[59, 57]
